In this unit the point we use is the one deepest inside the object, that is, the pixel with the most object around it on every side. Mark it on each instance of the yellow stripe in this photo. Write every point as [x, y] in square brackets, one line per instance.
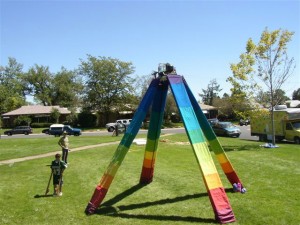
[213, 181]
[204, 158]
[149, 155]
[112, 169]
[222, 158]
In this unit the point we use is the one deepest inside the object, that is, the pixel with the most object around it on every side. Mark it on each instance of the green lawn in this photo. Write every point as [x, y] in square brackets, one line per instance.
[17, 148]
[176, 196]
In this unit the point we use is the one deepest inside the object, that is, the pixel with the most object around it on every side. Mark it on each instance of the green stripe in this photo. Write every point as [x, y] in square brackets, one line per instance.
[119, 154]
[154, 126]
[127, 139]
[151, 145]
[215, 146]
[196, 136]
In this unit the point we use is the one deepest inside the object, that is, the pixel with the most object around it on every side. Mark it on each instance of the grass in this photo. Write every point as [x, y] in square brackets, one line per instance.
[177, 194]
[17, 148]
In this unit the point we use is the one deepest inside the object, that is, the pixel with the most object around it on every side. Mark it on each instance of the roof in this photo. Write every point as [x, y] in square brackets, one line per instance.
[36, 109]
[207, 107]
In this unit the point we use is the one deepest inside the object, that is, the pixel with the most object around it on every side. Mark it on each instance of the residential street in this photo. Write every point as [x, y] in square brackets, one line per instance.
[244, 135]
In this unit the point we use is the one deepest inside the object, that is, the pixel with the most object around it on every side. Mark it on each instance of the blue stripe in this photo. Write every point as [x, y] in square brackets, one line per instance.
[181, 95]
[206, 127]
[189, 118]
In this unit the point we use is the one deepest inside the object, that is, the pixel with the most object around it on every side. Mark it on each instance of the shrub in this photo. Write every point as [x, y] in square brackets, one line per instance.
[87, 119]
[22, 121]
[40, 125]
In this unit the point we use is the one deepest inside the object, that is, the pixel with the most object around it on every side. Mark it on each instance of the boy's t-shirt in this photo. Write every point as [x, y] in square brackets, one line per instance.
[58, 166]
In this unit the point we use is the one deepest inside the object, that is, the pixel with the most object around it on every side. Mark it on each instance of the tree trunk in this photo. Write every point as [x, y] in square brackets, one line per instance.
[273, 126]
[272, 112]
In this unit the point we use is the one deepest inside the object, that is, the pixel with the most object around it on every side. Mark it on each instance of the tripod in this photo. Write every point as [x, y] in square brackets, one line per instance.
[197, 128]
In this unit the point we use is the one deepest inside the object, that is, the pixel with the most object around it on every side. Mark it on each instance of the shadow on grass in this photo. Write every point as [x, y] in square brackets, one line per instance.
[42, 196]
[123, 195]
[164, 218]
[108, 209]
[251, 147]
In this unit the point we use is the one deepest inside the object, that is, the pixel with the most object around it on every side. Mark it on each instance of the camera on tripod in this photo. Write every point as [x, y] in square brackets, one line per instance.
[165, 68]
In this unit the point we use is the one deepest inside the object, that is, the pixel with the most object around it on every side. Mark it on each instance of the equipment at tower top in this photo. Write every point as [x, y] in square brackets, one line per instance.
[164, 69]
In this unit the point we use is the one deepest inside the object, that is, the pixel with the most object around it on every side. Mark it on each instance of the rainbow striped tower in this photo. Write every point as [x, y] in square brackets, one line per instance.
[215, 189]
[197, 128]
[154, 130]
[119, 155]
[213, 140]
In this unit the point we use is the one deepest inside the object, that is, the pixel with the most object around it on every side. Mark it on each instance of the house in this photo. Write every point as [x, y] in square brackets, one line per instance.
[293, 103]
[38, 114]
[209, 111]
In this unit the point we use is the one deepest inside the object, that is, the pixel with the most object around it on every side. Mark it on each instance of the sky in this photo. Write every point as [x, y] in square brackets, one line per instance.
[200, 38]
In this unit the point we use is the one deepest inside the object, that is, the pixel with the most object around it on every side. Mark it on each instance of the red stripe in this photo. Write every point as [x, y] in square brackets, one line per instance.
[98, 196]
[221, 205]
[233, 178]
[147, 175]
[96, 200]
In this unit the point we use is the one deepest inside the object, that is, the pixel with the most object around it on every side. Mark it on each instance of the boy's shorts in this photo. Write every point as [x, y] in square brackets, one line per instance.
[56, 179]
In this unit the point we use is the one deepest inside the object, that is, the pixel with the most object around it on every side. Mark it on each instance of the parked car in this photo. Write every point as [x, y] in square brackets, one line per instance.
[19, 130]
[58, 129]
[213, 121]
[226, 129]
[111, 126]
[245, 122]
[45, 131]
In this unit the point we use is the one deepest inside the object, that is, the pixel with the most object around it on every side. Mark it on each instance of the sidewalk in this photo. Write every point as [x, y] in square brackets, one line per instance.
[11, 161]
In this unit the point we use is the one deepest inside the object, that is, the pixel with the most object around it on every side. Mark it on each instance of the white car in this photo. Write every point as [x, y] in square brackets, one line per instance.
[111, 126]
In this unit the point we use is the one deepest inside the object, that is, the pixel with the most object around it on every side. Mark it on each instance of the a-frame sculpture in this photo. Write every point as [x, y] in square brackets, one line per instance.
[197, 128]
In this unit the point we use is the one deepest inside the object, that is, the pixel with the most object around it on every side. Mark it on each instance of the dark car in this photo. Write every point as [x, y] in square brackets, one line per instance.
[245, 122]
[213, 121]
[19, 130]
[45, 131]
[226, 129]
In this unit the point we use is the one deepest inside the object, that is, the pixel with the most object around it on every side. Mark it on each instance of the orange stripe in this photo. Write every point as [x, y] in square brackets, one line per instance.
[106, 181]
[227, 168]
[148, 163]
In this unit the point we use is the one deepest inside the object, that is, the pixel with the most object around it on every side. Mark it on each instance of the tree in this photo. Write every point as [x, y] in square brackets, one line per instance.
[263, 97]
[211, 93]
[63, 88]
[273, 67]
[54, 115]
[171, 110]
[66, 89]
[142, 83]
[39, 81]
[296, 94]
[107, 83]
[87, 119]
[12, 89]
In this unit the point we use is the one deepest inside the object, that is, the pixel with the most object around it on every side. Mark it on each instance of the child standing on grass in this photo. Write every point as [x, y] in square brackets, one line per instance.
[58, 166]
